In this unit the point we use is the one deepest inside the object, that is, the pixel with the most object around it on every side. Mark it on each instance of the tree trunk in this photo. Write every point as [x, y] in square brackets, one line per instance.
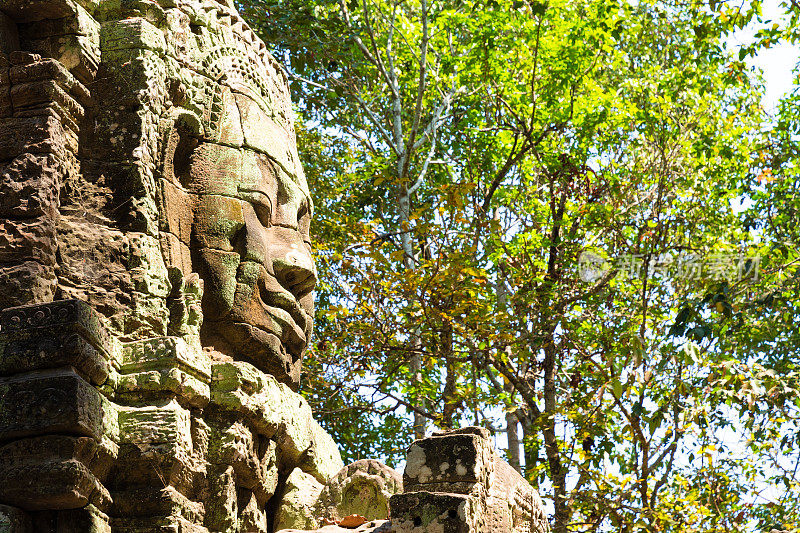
[511, 418]
[450, 398]
[513, 441]
[414, 343]
[531, 452]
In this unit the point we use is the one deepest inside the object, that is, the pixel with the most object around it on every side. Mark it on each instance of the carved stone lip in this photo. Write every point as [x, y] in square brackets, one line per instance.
[293, 320]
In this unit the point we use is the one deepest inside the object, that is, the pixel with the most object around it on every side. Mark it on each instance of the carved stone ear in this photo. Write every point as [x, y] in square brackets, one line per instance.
[182, 138]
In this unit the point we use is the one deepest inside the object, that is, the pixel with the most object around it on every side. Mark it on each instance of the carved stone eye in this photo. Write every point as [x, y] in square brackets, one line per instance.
[264, 213]
[304, 220]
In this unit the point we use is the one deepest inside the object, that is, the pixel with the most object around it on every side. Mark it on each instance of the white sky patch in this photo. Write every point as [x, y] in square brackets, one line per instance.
[776, 63]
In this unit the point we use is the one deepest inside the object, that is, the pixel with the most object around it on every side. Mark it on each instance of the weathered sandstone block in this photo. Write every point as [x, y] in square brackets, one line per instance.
[455, 482]
[53, 472]
[299, 502]
[361, 488]
[39, 403]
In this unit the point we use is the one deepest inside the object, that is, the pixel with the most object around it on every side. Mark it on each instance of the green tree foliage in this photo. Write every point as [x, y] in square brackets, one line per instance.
[465, 154]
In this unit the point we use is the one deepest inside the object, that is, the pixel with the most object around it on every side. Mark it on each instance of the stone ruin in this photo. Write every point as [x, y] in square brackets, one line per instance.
[156, 295]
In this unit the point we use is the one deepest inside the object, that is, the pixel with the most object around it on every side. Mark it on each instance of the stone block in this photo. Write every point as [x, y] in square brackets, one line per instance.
[214, 169]
[229, 125]
[79, 23]
[128, 205]
[154, 366]
[272, 408]
[161, 352]
[132, 33]
[29, 186]
[52, 347]
[92, 267]
[49, 402]
[66, 463]
[73, 41]
[459, 462]
[188, 390]
[252, 516]
[146, 265]
[26, 282]
[34, 135]
[6, 109]
[454, 481]
[222, 508]
[154, 501]
[252, 456]
[156, 425]
[22, 57]
[360, 488]
[44, 93]
[177, 209]
[263, 133]
[422, 512]
[144, 464]
[157, 449]
[27, 240]
[55, 71]
[298, 502]
[323, 460]
[176, 253]
[81, 55]
[513, 504]
[36, 10]
[147, 316]
[218, 220]
[68, 315]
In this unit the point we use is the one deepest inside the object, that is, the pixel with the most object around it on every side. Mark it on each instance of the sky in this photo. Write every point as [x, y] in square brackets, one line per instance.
[777, 63]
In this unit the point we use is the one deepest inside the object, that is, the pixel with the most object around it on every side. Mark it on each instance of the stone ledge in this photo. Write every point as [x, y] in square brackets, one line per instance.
[75, 314]
[38, 348]
[274, 410]
[68, 465]
[40, 403]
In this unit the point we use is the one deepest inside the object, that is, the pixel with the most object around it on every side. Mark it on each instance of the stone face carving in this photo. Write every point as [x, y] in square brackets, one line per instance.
[144, 138]
[248, 237]
[155, 272]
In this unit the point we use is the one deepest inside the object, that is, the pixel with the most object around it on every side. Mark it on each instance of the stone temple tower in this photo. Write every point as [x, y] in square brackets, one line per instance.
[155, 226]
[156, 292]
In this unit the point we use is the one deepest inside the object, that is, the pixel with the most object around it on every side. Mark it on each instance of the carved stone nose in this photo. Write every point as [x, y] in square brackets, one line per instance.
[295, 270]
